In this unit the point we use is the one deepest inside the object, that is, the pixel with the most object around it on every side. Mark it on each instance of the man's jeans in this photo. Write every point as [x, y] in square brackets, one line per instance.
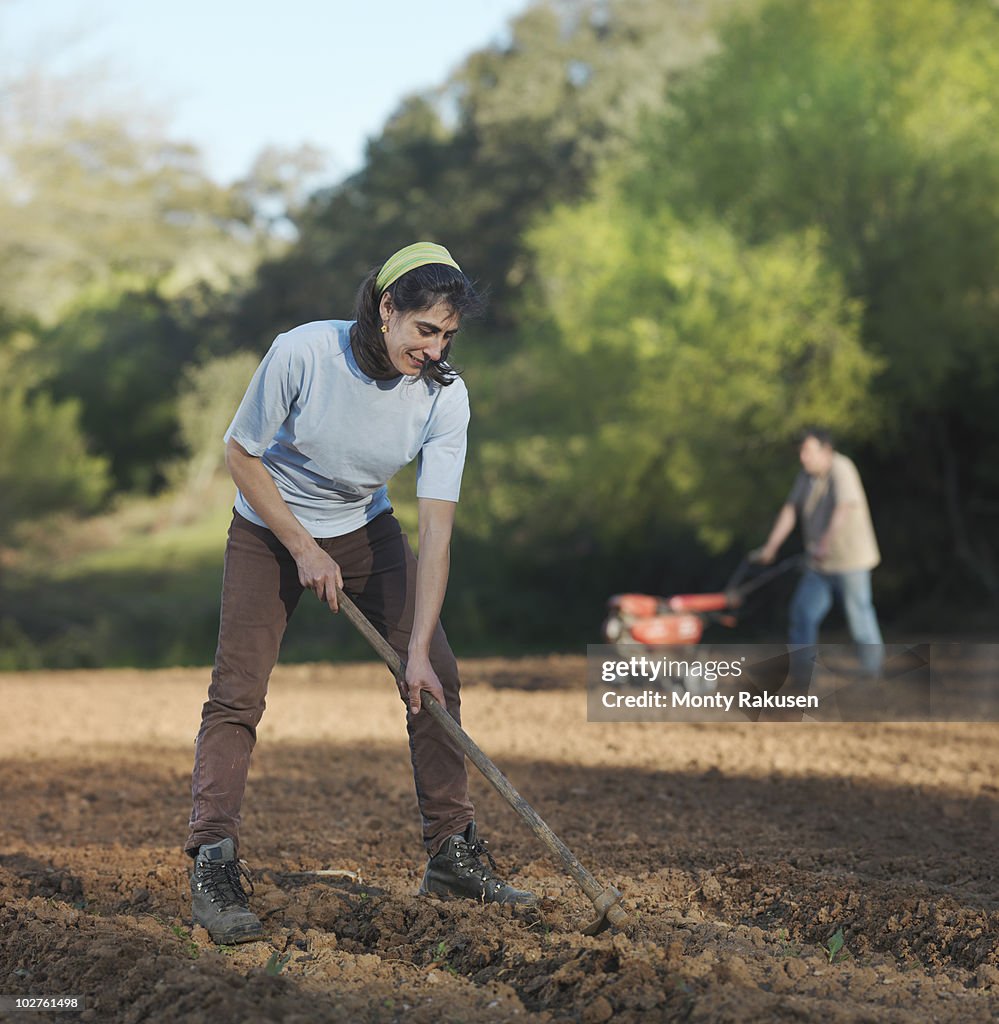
[811, 603]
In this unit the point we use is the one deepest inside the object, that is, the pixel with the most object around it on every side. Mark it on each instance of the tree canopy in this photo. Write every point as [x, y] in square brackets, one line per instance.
[702, 226]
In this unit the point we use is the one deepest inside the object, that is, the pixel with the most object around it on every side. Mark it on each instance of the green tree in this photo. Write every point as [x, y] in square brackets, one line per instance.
[681, 361]
[115, 240]
[122, 357]
[45, 464]
[86, 202]
[209, 395]
[519, 126]
[876, 122]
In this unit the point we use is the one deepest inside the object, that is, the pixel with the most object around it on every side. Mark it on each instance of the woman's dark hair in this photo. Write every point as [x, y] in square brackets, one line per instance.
[419, 289]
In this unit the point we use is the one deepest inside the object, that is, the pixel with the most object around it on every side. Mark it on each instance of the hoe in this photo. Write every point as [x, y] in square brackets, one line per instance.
[606, 899]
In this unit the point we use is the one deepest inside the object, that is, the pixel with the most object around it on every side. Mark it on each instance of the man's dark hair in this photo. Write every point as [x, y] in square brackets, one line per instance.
[419, 289]
[820, 434]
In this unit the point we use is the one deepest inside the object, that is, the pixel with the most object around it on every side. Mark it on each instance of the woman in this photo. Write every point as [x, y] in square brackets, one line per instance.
[333, 411]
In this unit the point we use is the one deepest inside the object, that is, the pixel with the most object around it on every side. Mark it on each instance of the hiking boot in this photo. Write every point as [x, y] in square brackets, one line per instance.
[457, 870]
[219, 902]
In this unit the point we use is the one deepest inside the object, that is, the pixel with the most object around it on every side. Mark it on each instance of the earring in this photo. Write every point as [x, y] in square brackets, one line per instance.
[384, 328]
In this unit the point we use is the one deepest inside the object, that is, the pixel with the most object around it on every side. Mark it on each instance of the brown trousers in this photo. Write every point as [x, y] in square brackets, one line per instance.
[260, 590]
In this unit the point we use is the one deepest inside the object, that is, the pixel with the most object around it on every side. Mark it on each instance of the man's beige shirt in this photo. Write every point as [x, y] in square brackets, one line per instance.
[853, 545]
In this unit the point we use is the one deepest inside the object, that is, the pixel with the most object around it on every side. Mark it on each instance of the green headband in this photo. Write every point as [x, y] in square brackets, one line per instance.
[419, 254]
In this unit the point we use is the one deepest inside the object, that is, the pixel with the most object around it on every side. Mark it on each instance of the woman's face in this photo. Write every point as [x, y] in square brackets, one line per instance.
[416, 336]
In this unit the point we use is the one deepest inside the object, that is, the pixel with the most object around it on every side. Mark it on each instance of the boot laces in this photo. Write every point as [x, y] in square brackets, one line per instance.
[221, 880]
[469, 857]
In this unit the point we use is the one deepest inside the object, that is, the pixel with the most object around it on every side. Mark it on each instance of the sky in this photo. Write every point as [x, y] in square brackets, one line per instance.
[233, 76]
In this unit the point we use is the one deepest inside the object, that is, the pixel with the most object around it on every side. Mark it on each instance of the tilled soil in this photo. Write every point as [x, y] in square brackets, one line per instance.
[743, 852]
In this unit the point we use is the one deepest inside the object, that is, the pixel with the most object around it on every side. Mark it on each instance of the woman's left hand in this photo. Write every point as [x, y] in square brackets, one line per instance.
[420, 675]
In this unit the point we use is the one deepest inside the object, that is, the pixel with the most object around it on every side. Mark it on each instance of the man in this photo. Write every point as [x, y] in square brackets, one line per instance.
[829, 501]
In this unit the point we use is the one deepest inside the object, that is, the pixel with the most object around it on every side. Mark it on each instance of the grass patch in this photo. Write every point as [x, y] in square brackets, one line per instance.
[137, 587]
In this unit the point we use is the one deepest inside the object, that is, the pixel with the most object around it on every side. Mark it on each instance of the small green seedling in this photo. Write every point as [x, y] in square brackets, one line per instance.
[834, 948]
[276, 964]
[192, 946]
[441, 951]
[786, 947]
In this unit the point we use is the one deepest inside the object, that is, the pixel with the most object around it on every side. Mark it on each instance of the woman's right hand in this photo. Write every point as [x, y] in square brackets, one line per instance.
[320, 574]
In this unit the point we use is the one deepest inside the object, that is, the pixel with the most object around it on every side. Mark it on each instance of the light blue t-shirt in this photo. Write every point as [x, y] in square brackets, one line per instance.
[331, 437]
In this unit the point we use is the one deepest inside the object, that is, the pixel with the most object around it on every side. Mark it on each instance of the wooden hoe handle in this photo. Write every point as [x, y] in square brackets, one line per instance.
[606, 899]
